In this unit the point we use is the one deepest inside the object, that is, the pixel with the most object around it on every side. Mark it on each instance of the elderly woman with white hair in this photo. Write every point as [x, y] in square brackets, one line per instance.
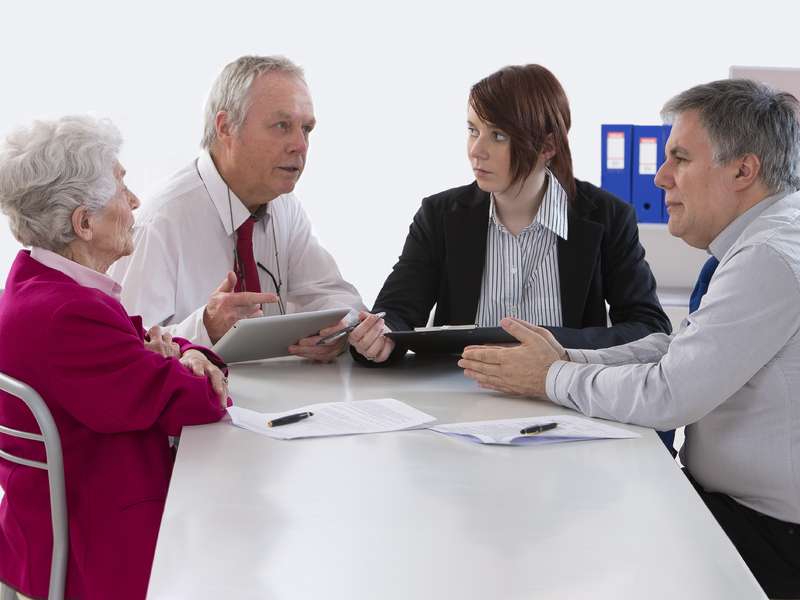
[115, 391]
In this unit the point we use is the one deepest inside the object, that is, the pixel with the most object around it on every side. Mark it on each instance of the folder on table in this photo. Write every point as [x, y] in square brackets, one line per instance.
[617, 160]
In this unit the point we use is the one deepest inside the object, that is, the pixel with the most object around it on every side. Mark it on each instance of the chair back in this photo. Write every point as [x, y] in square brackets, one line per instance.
[55, 472]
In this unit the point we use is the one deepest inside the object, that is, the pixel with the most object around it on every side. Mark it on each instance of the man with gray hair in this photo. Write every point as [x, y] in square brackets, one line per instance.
[225, 238]
[731, 374]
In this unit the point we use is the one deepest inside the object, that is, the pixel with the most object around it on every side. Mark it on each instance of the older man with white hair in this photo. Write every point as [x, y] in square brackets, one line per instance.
[225, 238]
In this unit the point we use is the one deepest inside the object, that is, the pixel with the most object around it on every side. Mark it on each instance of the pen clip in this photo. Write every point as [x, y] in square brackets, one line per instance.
[537, 429]
[289, 419]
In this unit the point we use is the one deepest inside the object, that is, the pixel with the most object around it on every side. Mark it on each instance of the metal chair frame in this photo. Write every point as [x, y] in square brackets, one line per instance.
[55, 474]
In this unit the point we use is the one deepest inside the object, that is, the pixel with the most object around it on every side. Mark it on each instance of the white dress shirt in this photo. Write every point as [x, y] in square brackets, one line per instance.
[184, 247]
[732, 374]
[520, 275]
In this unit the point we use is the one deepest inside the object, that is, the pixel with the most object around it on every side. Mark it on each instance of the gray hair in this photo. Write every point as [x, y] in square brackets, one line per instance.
[741, 116]
[231, 91]
[50, 169]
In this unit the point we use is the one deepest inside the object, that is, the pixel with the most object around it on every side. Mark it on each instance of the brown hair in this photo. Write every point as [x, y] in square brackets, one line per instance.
[527, 103]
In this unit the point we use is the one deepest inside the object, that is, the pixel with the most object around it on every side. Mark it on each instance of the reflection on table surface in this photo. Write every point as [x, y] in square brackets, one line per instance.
[417, 514]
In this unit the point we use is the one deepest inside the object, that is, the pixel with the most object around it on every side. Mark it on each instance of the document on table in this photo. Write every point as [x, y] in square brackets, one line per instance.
[334, 418]
[507, 431]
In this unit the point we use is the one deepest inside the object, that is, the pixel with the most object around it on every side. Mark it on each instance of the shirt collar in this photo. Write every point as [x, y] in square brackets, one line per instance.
[83, 275]
[723, 242]
[552, 213]
[231, 213]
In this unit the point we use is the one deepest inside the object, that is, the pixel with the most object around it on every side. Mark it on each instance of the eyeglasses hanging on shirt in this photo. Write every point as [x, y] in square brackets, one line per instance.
[277, 283]
[243, 259]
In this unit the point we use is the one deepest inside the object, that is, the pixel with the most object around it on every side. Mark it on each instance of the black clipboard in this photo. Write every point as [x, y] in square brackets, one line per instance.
[449, 339]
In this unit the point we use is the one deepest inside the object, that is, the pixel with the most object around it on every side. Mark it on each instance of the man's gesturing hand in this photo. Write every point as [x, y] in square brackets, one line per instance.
[226, 307]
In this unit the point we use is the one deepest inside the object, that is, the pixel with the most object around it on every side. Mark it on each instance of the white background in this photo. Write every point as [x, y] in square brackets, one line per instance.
[389, 81]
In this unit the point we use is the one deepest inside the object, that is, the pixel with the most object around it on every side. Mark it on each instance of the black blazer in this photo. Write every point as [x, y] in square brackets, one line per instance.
[602, 261]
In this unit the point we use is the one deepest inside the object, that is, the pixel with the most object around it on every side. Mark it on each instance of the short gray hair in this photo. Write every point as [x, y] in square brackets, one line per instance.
[231, 91]
[742, 116]
[50, 169]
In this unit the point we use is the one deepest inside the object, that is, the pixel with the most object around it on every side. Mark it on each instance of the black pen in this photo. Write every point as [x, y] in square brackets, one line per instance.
[534, 429]
[289, 419]
[345, 331]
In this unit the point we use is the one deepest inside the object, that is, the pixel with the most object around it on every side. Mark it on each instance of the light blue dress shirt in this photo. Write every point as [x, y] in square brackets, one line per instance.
[732, 375]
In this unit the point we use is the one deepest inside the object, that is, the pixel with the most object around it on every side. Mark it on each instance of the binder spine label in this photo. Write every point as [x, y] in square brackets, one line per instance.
[648, 155]
[615, 150]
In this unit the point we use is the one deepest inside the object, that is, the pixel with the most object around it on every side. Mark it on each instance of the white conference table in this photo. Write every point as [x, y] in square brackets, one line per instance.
[420, 515]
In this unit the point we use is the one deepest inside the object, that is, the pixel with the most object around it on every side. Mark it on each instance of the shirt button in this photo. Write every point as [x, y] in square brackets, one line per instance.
[514, 270]
[513, 310]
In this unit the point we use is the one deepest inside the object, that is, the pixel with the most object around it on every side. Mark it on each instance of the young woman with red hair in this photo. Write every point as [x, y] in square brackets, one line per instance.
[525, 239]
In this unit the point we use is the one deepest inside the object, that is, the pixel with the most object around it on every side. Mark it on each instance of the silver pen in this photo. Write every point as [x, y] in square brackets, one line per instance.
[342, 332]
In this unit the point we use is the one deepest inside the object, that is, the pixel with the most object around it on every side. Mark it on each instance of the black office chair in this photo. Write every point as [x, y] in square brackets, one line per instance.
[55, 472]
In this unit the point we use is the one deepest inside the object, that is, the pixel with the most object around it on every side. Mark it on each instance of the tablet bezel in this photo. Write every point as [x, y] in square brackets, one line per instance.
[270, 337]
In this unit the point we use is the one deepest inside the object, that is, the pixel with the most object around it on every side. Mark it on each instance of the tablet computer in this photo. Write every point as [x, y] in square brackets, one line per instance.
[269, 337]
[449, 339]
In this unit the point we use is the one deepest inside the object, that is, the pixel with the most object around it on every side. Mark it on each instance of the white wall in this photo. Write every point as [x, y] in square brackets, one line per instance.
[389, 80]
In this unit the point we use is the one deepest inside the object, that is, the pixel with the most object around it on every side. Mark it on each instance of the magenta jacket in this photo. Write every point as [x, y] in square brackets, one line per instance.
[114, 403]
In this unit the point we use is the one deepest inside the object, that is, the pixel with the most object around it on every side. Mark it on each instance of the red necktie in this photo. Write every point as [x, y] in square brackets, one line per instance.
[244, 248]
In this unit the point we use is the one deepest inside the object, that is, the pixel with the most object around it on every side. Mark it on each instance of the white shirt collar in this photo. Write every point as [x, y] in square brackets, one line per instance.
[728, 236]
[83, 275]
[219, 191]
[552, 213]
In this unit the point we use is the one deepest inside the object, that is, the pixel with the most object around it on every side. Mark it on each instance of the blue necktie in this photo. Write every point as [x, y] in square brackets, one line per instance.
[701, 287]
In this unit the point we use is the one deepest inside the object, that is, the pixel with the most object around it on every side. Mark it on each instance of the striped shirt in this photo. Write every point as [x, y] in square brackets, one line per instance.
[520, 276]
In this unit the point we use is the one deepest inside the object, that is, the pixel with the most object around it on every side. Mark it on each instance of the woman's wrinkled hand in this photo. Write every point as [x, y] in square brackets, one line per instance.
[198, 363]
[161, 343]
